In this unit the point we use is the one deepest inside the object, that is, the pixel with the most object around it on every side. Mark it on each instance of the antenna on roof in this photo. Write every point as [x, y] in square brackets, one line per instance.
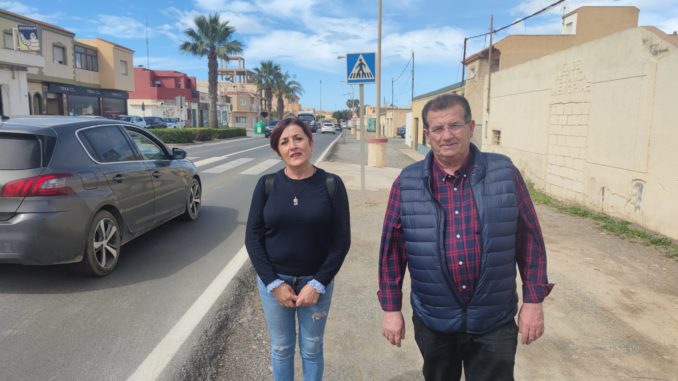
[148, 65]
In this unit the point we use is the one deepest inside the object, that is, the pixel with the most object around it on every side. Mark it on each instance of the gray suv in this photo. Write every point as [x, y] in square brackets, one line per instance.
[74, 190]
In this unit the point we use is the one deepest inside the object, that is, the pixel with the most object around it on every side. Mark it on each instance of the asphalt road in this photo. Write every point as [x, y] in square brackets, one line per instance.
[57, 325]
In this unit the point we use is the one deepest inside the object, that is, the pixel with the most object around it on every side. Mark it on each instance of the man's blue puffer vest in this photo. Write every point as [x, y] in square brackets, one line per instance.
[434, 297]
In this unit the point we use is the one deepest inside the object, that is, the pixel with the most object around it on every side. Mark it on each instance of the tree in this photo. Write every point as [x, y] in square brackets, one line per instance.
[286, 88]
[265, 77]
[342, 115]
[211, 38]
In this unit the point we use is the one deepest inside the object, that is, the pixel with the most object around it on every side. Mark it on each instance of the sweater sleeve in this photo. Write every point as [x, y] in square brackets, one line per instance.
[340, 237]
[254, 235]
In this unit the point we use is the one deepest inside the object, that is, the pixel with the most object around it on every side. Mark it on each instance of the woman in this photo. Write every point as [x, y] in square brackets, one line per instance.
[298, 234]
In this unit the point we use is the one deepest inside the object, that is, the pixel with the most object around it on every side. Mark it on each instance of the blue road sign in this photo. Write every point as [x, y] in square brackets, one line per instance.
[360, 68]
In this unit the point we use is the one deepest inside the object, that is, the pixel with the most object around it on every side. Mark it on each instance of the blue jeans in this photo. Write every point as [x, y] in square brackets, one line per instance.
[282, 331]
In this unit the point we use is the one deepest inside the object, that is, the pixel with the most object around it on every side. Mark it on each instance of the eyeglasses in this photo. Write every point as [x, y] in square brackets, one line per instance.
[454, 128]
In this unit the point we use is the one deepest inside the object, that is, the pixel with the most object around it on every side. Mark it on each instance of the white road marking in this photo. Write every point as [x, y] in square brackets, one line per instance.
[167, 348]
[218, 158]
[261, 167]
[209, 161]
[230, 165]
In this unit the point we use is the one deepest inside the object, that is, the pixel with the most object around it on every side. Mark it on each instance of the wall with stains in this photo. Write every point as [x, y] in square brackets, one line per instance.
[597, 125]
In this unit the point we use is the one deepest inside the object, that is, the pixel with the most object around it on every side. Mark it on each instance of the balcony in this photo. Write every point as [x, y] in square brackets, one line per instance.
[19, 58]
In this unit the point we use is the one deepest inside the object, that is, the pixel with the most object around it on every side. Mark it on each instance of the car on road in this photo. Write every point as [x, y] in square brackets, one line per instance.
[269, 128]
[314, 126]
[327, 127]
[155, 122]
[139, 121]
[173, 122]
[74, 190]
[337, 127]
[401, 132]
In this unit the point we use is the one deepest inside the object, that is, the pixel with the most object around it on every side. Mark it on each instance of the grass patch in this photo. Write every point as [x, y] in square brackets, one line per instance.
[616, 226]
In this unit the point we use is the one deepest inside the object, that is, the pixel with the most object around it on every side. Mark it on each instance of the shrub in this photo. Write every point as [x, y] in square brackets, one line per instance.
[189, 135]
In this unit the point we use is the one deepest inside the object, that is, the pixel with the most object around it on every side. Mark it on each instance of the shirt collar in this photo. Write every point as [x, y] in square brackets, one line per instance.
[463, 171]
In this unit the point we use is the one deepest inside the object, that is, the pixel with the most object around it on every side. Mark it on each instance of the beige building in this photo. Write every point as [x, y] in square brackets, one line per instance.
[391, 119]
[237, 85]
[594, 123]
[223, 106]
[76, 78]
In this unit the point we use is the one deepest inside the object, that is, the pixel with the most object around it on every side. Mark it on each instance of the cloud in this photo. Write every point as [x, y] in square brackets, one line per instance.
[431, 45]
[242, 22]
[24, 10]
[224, 5]
[121, 27]
[183, 64]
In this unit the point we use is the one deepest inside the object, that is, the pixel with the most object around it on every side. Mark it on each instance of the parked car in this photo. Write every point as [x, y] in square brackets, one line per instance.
[174, 122]
[401, 132]
[74, 190]
[328, 127]
[269, 128]
[139, 121]
[155, 122]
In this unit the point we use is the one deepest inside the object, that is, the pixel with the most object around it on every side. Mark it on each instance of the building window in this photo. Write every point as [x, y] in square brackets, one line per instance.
[8, 37]
[83, 105]
[496, 137]
[86, 59]
[243, 102]
[241, 120]
[123, 67]
[59, 53]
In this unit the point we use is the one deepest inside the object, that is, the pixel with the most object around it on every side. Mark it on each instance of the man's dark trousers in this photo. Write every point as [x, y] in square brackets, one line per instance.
[490, 356]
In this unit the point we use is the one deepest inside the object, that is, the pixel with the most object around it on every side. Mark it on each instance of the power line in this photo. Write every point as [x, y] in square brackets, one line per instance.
[405, 68]
[518, 21]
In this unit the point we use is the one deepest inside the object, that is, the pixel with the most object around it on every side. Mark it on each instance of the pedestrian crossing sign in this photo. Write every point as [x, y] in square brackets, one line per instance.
[360, 68]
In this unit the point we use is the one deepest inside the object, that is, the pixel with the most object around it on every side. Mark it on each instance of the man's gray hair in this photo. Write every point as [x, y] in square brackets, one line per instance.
[444, 102]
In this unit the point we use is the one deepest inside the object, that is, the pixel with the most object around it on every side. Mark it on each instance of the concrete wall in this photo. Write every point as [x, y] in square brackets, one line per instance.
[14, 92]
[595, 125]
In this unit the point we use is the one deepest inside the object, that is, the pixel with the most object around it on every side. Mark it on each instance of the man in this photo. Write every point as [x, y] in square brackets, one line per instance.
[461, 220]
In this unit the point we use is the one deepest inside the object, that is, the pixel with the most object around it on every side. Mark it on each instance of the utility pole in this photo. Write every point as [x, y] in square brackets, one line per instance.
[412, 98]
[321, 95]
[489, 65]
[378, 124]
[391, 92]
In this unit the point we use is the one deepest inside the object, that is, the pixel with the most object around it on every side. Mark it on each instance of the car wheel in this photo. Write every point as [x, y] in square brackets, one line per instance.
[102, 249]
[193, 201]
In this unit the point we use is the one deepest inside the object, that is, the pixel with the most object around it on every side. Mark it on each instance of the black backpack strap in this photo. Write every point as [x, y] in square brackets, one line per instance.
[331, 181]
[268, 184]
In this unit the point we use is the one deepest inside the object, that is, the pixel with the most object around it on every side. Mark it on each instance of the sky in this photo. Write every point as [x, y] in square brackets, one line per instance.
[306, 37]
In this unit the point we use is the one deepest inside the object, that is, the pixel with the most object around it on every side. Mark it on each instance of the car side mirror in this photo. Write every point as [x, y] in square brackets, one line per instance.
[178, 153]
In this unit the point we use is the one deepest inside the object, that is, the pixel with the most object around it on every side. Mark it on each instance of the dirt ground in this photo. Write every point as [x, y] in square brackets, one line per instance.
[613, 314]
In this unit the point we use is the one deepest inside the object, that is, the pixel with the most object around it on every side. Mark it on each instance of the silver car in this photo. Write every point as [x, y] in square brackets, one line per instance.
[74, 190]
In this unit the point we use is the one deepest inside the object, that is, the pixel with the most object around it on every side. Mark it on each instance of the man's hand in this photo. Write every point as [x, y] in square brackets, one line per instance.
[285, 295]
[531, 322]
[308, 296]
[393, 327]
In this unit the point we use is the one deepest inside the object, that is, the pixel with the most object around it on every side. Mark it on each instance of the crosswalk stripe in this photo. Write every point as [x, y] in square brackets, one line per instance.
[230, 165]
[261, 167]
[209, 161]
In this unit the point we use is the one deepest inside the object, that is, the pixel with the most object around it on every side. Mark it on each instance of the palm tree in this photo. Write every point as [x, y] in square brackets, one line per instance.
[265, 76]
[286, 88]
[211, 38]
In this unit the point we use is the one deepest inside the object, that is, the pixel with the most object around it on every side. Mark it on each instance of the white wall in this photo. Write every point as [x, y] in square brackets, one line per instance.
[14, 92]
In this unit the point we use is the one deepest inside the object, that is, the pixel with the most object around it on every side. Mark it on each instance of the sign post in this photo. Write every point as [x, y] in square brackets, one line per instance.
[360, 69]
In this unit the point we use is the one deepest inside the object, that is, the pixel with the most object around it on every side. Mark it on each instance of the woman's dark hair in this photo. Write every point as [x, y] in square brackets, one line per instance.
[282, 125]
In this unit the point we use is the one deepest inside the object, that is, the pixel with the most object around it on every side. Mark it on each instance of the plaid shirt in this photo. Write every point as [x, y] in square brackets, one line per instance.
[462, 239]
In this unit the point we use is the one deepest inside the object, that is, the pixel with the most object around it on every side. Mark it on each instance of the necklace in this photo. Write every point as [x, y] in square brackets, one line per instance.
[295, 200]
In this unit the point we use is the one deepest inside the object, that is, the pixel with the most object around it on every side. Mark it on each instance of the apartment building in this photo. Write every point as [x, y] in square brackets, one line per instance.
[237, 84]
[167, 94]
[63, 76]
[223, 105]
